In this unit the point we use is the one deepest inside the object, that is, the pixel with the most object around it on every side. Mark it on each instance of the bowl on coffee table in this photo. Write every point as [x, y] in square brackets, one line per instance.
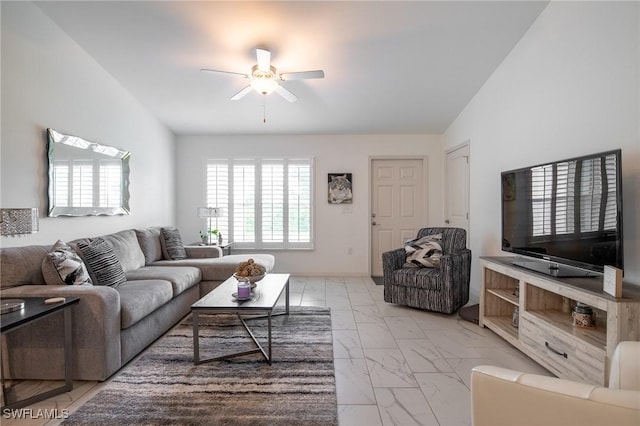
[253, 279]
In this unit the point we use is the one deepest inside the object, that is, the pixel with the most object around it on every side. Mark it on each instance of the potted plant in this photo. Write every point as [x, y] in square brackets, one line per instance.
[207, 239]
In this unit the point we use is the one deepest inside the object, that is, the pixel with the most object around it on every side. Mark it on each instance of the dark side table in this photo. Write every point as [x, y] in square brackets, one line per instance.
[35, 309]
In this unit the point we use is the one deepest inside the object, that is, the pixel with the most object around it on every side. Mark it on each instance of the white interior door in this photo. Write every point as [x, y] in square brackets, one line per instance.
[457, 185]
[397, 206]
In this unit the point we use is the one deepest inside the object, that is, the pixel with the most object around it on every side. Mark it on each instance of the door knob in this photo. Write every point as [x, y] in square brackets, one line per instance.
[374, 223]
[446, 221]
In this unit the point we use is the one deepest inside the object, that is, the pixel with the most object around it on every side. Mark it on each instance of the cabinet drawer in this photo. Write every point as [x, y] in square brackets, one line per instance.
[565, 355]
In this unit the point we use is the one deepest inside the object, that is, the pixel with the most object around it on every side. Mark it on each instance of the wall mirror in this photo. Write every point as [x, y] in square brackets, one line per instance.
[86, 178]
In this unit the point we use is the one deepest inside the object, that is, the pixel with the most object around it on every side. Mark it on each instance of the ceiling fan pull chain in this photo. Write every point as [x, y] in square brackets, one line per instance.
[264, 108]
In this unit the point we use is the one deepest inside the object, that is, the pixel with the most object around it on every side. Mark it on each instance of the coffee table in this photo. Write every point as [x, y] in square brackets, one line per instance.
[264, 298]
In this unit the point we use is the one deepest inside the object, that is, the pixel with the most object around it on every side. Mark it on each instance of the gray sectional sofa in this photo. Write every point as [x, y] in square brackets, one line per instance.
[111, 324]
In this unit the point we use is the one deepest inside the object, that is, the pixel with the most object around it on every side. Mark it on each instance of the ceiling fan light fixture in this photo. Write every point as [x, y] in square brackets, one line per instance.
[265, 78]
[264, 85]
[263, 82]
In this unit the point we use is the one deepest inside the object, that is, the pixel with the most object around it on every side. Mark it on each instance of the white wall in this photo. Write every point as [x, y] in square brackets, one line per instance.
[49, 81]
[335, 230]
[570, 87]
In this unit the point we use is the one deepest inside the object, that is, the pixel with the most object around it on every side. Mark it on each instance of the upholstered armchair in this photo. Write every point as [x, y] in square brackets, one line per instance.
[442, 289]
[507, 397]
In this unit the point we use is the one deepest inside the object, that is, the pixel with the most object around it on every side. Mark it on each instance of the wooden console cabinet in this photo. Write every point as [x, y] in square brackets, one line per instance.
[545, 329]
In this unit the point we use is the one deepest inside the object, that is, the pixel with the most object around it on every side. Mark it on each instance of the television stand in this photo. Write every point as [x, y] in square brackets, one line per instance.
[553, 269]
[532, 311]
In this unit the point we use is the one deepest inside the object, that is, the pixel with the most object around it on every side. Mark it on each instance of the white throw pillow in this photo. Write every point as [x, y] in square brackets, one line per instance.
[424, 252]
[64, 266]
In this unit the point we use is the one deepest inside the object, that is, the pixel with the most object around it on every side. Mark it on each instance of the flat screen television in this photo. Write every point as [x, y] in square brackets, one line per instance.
[565, 216]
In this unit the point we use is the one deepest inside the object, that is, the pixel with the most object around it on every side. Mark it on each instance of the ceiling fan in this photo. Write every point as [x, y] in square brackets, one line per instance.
[265, 79]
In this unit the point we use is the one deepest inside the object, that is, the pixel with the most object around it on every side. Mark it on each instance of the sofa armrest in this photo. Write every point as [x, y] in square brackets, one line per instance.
[505, 397]
[625, 367]
[456, 267]
[392, 260]
[36, 350]
[203, 252]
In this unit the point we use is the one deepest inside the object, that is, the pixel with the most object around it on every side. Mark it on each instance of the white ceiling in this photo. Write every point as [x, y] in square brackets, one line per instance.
[391, 67]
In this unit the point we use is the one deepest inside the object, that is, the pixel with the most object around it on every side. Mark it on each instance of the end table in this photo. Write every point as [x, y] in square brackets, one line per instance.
[35, 309]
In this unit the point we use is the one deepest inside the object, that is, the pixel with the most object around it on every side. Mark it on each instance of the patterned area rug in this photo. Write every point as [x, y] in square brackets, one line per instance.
[164, 387]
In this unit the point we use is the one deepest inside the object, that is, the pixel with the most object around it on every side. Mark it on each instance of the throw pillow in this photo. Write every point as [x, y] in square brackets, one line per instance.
[424, 252]
[104, 266]
[172, 244]
[63, 266]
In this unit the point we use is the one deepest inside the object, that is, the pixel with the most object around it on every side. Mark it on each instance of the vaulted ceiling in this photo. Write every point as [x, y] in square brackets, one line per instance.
[391, 67]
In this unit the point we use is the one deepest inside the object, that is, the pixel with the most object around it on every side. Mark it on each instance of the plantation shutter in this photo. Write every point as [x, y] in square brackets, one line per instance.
[577, 196]
[61, 184]
[218, 194]
[110, 183]
[272, 197]
[244, 202]
[266, 203]
[299, 207]
[82, 184]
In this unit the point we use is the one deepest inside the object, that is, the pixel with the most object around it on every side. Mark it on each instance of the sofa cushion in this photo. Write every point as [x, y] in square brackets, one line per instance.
[171, 242]
[126, 247]
[104, 266]
[180, 277]
[22, 265]
[140, 298]
[220, 268]
[149, 240]
[424, 252]
[64, 266]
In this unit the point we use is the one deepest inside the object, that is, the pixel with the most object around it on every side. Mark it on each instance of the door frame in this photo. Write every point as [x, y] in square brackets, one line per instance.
[467, 144]
[425, 177]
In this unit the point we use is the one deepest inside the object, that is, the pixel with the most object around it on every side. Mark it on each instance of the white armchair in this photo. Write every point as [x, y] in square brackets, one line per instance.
[506, 397]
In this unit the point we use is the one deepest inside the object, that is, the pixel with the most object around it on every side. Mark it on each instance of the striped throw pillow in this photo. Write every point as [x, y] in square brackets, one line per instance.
[424, 252]
[103, 264]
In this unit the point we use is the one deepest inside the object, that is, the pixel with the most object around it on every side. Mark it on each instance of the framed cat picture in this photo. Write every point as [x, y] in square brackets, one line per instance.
[340, 188]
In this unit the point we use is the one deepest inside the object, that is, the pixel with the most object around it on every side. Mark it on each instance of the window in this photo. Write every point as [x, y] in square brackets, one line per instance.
[265, 203]
[73, 183]
[574, 197]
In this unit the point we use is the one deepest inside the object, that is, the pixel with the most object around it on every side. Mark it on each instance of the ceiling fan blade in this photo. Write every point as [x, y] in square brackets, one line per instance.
[241, 94]
[264, 60]
[225, 72]
[302, 75]
[280, 90]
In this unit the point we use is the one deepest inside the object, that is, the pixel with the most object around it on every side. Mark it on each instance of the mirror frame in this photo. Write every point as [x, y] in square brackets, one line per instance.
[94, 151]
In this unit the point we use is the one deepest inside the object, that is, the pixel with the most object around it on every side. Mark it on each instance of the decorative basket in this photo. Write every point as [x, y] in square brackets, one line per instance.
[252, 280]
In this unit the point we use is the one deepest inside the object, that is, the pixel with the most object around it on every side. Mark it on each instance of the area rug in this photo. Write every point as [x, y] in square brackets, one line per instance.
[164, 387]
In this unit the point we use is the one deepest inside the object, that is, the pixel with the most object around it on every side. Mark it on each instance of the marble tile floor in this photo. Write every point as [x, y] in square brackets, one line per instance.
[394, 365]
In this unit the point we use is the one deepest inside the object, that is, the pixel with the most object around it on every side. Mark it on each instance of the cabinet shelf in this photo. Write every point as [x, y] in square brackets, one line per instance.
[505, 294]
[503, 327]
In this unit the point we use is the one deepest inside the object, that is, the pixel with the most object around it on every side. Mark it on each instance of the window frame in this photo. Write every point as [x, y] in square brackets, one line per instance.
[227, 217]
